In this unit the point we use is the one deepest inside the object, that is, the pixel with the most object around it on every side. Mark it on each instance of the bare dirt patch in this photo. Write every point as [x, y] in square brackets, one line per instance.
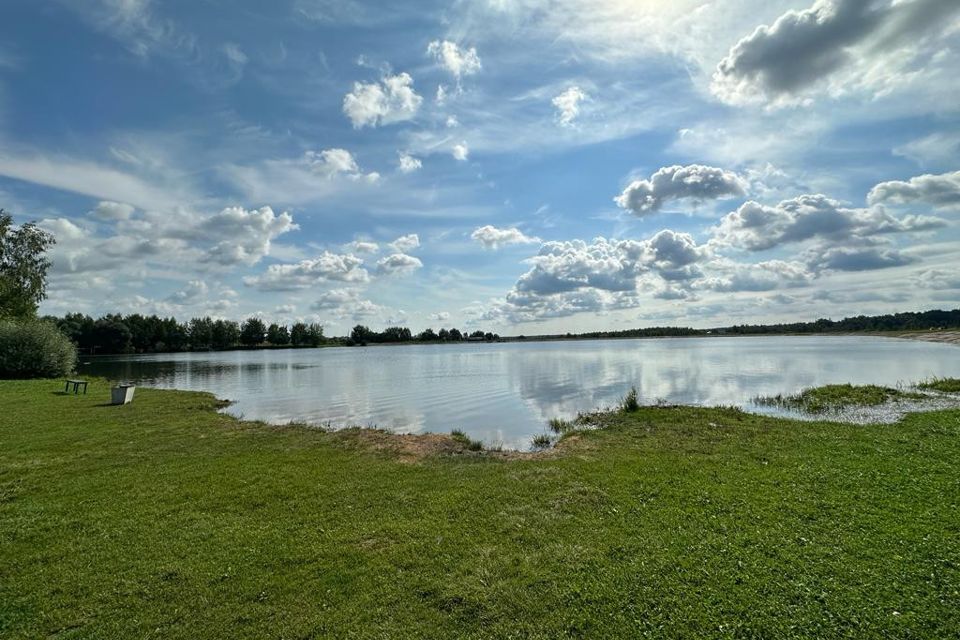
[415, 448]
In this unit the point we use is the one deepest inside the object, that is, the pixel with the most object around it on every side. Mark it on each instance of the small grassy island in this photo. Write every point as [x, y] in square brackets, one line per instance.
[164, 518]
[838, 396]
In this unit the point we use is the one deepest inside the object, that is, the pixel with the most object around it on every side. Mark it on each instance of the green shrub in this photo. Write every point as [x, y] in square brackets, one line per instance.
[34, 349]
[629, 402]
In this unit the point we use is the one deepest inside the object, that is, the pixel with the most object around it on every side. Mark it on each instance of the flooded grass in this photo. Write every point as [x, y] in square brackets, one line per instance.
[943, 385]
[834, 397]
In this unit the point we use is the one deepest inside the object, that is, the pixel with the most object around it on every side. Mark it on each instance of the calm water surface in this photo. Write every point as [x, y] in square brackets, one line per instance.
[505, 393]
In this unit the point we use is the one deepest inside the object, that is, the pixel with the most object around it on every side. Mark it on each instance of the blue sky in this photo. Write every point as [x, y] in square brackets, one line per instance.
[517, 165]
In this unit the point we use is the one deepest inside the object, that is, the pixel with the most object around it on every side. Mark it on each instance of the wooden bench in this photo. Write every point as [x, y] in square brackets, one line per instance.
[76, 386]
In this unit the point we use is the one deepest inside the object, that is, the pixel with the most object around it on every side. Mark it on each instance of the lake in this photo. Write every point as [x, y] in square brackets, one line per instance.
[505, 392]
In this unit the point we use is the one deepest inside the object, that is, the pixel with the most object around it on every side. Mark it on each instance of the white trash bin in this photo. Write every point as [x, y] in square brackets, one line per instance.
[122, 394]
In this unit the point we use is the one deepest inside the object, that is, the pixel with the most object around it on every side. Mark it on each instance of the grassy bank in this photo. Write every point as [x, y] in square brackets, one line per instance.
[166, 519]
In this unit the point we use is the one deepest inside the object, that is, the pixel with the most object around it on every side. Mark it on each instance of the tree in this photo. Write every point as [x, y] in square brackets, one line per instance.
[171, 336]
[226, 333]
[394, 334]
[111, 335]
[299, 335]
[253, 331]
[428, 335]
[79, 328]
[444, 334]
[201, 333]
[315, 334]
[278, 335]
[23, 267]
[360, 334]
[455, 335]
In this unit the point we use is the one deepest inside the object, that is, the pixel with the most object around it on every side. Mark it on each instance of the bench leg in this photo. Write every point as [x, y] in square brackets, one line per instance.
[84, 388]
[66, 387]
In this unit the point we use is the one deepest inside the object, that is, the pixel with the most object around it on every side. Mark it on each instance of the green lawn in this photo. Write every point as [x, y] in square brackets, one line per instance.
[165, 519]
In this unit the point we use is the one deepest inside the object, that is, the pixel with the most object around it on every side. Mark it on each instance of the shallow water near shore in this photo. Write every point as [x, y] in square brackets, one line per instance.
[504, 393]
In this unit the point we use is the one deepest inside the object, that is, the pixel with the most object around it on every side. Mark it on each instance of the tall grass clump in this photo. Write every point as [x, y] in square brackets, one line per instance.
[559, 425]
[629, 403]
[943, 385]
[541, 441]
[34, 349]
[466, 441]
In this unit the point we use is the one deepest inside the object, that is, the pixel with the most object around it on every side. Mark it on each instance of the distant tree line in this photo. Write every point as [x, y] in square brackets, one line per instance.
[907, 321]
[649, 332]
[361, 335]
[135, 333]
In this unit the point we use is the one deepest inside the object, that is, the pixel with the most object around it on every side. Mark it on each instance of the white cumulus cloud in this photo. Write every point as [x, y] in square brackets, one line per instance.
[695, 182]
[108, 210]
[493, 238]
[243, 236]
[942, 191]
[455, 59]
[398, 263]
[391, 100]
[834, 45]
[408, 163]
[460, 152]
[405, 244]
[307, 273]
[757, 227]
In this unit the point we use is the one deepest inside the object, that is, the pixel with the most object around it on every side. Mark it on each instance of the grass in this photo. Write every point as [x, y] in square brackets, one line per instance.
[165, 519]
[943, 385]
[541, 441]
[629, 402]
[468, 443]
[832, 397]
[560, 426]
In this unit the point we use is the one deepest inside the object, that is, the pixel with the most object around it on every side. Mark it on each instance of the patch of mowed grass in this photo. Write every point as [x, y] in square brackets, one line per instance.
[943, 385]
[466, 441]
[164, 518]
[833, 397]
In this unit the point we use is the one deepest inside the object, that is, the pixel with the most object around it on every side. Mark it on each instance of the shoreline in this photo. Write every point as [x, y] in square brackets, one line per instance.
[947, 336]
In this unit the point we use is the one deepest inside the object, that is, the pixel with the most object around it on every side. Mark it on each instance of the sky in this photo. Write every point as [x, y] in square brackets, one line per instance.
[519, 166]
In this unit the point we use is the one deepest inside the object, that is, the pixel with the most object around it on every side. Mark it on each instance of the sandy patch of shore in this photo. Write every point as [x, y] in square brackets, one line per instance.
[950, 337]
